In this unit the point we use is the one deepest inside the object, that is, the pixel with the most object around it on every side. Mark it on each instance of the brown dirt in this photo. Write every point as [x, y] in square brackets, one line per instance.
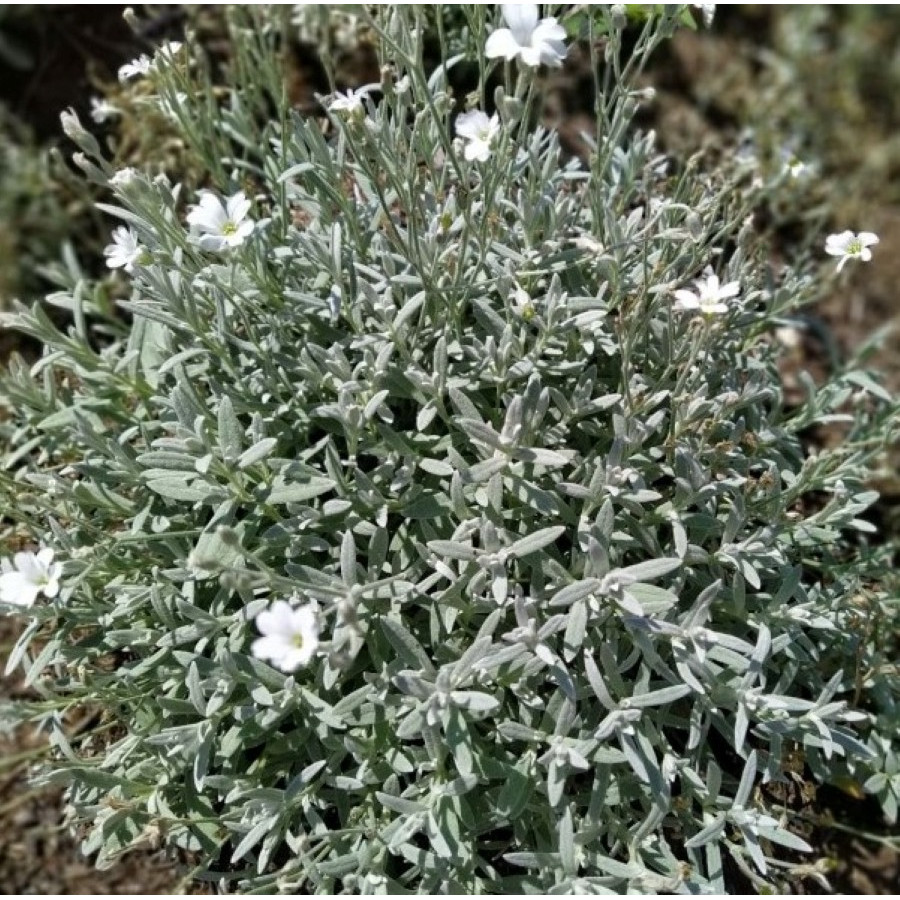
[38, 855]
[72, 46]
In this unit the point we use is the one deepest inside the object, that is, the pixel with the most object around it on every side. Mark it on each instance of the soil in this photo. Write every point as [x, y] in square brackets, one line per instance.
[38, 854]
[75, 46]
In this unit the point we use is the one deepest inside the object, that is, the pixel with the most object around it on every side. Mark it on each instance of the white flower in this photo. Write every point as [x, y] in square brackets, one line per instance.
[289, 636]
[479, 131]
[136, 68]
[221, 226]
[168, 50]
[30, 575]
[350, 103]
[124, 177]
[534, 42]
[102, 110]
[791, 164]
[143, 65]
[125, 252]
[709, 296]
[795, 167]
[848, 245]
[588, 243]
[524, 304]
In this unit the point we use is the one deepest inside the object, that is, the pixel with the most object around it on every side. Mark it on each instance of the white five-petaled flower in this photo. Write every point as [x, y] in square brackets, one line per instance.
[524, 304]
[792, 165]
[221, 226]
[848, 245]
[709, 295]
[125, 252]
[479, 132]
[168, 50]
[136, 68]
[144, 65]
[124, 177]
[350, 103]
[102, 110]
[534, 42]
[289, 636]
[29, 575]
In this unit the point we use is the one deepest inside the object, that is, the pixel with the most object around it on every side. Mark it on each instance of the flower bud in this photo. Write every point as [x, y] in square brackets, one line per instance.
[75, 132]
[131, 20]
[125, 178]
[509, 108]
[694, 225]
[93, 173]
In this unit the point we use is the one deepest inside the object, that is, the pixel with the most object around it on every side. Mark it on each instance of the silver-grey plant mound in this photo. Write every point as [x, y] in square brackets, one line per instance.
[579, 587]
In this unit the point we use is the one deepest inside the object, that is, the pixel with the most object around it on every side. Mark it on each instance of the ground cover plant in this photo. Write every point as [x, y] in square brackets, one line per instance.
[427, 514]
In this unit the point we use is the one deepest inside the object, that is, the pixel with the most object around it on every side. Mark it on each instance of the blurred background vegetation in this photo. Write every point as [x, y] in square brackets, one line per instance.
[819, 83]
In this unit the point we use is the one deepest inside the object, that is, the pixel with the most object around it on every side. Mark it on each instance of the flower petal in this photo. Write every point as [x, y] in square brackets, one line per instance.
[23, 561]
[501, 43]
[531, 56]
[522, 18]
[209, 214]
[284, 615]
[212, 242]
[305, 653]
[17, 590]
[293, 658]
[237, 207]
[45, 556]
[269, 647]
[549, 30]
[549, 38]
[477, 150]
[472, 124]
[553, 53]
[687, 299]
[304, 620]
[867, 238]
[277, 619]
[840, 241]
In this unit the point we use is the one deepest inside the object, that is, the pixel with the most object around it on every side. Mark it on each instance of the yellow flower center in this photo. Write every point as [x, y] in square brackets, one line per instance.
[229, 228]
[297, 640]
